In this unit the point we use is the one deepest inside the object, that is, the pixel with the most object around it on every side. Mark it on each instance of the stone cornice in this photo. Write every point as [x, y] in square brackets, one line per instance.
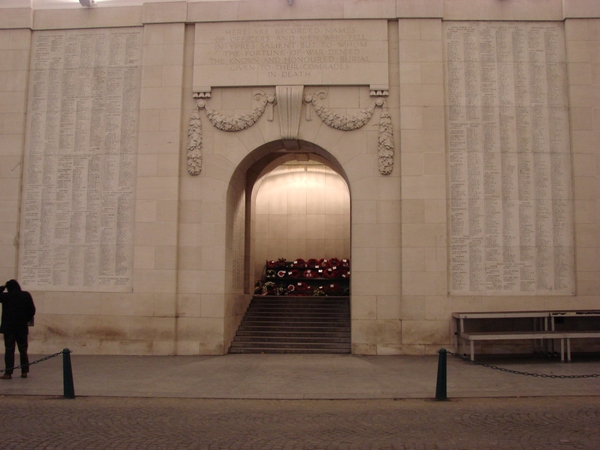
[19, 14]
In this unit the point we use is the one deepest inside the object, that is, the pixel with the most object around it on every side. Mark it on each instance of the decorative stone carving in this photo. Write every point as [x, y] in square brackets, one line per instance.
[344, 122]
[385, 146]
[202, 94]
[236, 123]
[348, 122]
[379, 93]
[289, 100]
[271, 102]
[194, 147]
[379, 90]
[222, 122]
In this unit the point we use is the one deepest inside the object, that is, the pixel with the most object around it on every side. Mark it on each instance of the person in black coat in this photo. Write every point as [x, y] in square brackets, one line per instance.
[18, 310]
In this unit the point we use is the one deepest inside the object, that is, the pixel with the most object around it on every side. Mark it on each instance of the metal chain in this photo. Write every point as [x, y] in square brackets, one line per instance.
[35, 362]
[518, 372]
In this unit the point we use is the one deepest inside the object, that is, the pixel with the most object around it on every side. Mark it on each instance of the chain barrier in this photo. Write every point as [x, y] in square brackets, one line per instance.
[518, 372]
[34, 362]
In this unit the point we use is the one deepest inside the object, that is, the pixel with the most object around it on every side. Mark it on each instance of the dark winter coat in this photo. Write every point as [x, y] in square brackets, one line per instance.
[17, 310]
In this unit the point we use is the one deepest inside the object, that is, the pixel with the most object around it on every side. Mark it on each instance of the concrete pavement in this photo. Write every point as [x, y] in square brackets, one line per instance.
[303, 402]
[304, 377]
[41, 423]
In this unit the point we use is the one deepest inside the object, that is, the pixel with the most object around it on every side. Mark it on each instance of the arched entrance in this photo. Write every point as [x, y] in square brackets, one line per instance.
[296, 213]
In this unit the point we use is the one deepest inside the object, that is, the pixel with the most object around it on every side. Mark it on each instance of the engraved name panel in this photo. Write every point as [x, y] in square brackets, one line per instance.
[510, 195]
[318, 52]
[77, 213]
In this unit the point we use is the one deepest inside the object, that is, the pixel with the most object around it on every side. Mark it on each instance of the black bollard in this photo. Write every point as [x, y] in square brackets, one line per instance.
[440, 389]
[69, 388]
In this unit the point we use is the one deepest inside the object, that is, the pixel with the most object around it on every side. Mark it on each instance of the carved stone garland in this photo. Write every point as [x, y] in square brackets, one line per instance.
[236, 123]
[223, 123]
[346, 122]
[349, 122]
[194, 147]
[385, 146]
[334, 120]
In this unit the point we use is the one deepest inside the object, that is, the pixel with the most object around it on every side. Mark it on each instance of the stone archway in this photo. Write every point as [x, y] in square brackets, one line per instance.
[299, 209]
[242, 197]
[241, 188]
[235, 155]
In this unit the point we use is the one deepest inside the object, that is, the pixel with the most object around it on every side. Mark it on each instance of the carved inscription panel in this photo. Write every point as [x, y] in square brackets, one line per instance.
[318, 52]
[77, 212]
[510, 194]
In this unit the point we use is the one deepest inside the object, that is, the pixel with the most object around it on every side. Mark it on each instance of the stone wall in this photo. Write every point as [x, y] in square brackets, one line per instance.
[192, 252]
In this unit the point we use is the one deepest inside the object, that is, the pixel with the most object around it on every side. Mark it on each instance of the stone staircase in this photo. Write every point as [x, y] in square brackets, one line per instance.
[294, 325]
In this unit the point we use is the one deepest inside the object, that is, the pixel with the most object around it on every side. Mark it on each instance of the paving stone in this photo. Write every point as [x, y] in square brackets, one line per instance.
[35, 422]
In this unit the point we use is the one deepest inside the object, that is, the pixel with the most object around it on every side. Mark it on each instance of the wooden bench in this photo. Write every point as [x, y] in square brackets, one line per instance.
[542, 329]
[517, 335]
[537, 320]
[578, 335]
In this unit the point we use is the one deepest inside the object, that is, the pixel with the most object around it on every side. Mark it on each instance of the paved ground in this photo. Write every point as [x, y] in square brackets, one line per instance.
[143, 423]
[302, 402]
[302, 377]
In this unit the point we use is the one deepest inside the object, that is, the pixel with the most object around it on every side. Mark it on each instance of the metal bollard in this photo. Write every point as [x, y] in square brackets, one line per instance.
[69, 388]
[440, 389]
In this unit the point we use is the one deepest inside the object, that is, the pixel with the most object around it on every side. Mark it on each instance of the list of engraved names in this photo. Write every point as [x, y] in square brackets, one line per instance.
[79, 176]
[511, 211]
[284, 53]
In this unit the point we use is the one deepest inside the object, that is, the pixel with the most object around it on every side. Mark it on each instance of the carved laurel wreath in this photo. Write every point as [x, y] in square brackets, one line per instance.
[236, 123]
[221, 122]
[346, 122]
[385, 146]
[194, 147]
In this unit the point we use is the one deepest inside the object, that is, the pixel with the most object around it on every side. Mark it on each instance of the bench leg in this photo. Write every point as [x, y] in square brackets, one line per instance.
[455, 329]
[562, 349]
[569, 349]
[472, 350]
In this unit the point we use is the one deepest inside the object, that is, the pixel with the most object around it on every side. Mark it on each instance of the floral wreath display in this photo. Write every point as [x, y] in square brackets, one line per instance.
[312, 277]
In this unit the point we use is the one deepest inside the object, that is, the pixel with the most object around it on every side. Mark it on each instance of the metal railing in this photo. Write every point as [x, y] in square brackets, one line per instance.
[68, 386]
[441, 389]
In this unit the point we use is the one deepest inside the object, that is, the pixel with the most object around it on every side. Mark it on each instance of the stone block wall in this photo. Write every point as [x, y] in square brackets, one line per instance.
[14, 67]
[583, 49]
[425, 305]
[187, 296]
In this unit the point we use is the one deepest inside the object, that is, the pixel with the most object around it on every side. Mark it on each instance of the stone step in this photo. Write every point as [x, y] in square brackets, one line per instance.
[300, 301]
[294, 325]
[291, 339]
[276, 315]
[269, 350]
[298, 316]
[293, 319]
[297, 329]
[329, 333]
[278, 307]
[287, 344]
[290, 309]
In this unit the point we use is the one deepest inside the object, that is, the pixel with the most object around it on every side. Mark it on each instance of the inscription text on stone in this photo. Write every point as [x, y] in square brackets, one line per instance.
[77, 212]
[507, 128]
[286, 53]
